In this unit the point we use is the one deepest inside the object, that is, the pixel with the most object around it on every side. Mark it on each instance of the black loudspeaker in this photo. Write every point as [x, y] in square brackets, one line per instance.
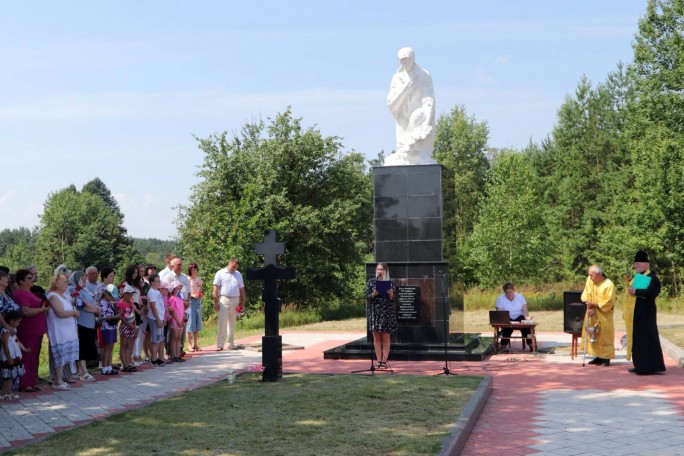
[573, 312]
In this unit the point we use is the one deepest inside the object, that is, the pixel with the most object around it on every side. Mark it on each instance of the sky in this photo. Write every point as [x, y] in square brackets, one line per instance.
[121, 90]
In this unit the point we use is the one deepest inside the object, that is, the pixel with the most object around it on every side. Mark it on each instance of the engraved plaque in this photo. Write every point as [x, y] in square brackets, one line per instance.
[408, 303]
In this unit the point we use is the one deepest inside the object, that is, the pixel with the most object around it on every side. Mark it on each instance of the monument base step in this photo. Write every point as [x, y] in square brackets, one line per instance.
[463, 347]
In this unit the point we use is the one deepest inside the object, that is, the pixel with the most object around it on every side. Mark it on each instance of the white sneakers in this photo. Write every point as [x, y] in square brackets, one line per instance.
[61, 386]
[9, 397]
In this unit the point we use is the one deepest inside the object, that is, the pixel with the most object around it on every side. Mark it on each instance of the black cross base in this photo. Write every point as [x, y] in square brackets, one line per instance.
[272, 345]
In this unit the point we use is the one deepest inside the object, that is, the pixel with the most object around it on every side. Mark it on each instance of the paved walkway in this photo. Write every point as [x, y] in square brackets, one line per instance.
[552, 405]
[540, 404]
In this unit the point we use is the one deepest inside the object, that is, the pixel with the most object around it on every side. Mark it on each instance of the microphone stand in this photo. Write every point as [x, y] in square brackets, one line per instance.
[445, 369]
[371, 369]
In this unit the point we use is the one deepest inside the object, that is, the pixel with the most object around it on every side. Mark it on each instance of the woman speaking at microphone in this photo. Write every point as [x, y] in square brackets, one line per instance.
[381, 320]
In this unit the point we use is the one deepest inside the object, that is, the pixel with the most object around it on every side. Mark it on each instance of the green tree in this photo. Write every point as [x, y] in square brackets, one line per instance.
[460, 146]
[582, 169]
[294, 180]
[17, 248]
[97, 187]
[154, 250]
[510, 241]
[656, 131]
[122, 244]
[79, 230]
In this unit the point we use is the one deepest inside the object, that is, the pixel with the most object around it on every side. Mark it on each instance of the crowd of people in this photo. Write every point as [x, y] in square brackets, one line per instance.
[84, 314]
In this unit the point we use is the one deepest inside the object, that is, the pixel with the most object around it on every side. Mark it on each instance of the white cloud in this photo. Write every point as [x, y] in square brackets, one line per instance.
[552, 29]
[482, 76]
[150, 199]
[149, 215]
[503, 59]
[514, 115]
[145, 105]
[7, 197]
[121, 198]
[20, 210]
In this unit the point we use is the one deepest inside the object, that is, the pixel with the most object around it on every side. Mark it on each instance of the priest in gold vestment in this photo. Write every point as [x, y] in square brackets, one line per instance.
[599, 294]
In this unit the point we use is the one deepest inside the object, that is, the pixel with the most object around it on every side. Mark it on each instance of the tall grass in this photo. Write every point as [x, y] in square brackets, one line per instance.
[291, 316]
[671, 305]
[550, 297]
[286, 319]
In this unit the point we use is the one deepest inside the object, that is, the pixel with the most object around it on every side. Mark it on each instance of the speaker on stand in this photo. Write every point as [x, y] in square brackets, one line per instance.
[573, 312]
[573, 317]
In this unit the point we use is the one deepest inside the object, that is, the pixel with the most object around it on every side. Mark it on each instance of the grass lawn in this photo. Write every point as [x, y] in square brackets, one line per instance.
[300, 415]
[673, 333]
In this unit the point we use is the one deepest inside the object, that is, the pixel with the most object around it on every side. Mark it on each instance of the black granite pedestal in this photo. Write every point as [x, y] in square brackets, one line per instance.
[408, 238]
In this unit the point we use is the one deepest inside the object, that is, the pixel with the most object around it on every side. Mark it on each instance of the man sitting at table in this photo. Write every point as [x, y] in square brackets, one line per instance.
[516, 306]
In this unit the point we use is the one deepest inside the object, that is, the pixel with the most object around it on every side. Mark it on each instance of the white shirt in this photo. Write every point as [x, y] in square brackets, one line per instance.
[154, 298]
[229, 283]
[183, 279]
[164, 273]
[514, 307]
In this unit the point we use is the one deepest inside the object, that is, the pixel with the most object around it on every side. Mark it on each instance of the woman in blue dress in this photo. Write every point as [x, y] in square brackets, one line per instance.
[382, 321]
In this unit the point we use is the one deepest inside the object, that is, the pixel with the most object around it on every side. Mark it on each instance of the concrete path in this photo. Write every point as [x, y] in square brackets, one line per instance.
[540, 404]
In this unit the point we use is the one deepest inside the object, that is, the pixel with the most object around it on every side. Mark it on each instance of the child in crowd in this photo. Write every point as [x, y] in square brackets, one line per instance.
[177, 309]
[109, 322]
[12, 367]
[128, 328]
[195, 318]
[156, 320]
[164, 289]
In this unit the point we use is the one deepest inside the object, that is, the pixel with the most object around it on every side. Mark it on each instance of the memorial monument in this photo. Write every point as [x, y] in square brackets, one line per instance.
[408, 205]
[408, 228]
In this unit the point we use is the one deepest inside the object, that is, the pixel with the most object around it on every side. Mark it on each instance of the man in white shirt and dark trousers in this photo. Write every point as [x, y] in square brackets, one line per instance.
[516, 306]
[229, 293]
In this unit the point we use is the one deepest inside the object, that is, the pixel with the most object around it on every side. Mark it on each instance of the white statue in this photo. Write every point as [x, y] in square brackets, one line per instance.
[411, 101]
